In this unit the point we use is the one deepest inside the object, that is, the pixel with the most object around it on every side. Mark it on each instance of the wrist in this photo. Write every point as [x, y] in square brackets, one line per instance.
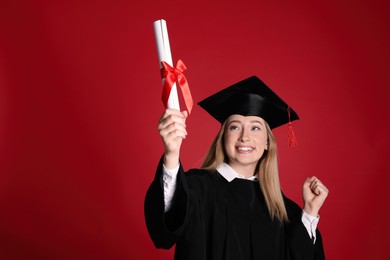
[310, 211]
[170, 160]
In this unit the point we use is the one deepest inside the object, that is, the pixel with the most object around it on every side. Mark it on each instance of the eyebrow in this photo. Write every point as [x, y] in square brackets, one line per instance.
[252, 121]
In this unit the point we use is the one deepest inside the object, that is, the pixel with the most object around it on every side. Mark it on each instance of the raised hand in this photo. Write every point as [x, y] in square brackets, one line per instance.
[314, 194]
[172, 129]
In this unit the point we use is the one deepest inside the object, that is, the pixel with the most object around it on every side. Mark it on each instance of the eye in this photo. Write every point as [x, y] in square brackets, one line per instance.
[233, 127]
[255, 128]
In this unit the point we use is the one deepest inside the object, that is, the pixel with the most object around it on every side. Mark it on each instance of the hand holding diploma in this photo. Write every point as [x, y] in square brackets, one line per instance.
[170, 75]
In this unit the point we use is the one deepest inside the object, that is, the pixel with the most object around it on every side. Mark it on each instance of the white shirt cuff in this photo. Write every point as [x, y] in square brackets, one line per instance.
[169, 182]
[310, 222]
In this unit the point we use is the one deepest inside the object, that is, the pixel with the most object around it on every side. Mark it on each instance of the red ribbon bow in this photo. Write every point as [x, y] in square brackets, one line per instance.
[171, 76]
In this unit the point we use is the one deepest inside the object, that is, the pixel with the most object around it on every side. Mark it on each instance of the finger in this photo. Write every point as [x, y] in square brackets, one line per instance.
[308, 184]
[309, 180]
[320, 192]
[172, 112]
[185, 114]
[323, 188]
[174, 129]
[320, 189]
[313, 183]
[317, 183]
[169, 119]
[174, 135]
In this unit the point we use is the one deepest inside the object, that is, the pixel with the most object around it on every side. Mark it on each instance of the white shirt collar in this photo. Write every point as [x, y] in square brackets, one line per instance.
[230, 174]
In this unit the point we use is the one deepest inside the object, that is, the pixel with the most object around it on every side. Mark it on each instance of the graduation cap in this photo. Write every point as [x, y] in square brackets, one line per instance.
[251, 97]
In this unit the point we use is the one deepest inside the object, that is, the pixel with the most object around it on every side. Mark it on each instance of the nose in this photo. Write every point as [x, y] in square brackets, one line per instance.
[243, 136]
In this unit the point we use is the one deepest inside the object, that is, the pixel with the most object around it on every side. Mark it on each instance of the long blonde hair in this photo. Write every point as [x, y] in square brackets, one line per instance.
[267, 170]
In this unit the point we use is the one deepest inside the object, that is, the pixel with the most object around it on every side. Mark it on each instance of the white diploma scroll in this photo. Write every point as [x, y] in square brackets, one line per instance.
[164, 54]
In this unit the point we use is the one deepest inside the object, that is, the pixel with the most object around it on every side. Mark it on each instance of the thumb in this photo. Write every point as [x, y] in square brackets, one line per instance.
[185, 113]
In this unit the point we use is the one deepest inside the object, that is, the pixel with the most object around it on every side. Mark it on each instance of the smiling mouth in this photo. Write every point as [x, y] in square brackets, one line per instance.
[245, 149]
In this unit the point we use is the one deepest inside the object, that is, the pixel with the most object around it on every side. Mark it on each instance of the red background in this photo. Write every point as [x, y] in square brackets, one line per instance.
[80, 100]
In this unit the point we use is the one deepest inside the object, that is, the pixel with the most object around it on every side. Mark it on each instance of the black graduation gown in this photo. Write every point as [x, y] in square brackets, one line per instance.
[214, 219]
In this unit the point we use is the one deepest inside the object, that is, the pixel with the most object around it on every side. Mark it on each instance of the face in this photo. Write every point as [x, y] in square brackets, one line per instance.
[245, 139]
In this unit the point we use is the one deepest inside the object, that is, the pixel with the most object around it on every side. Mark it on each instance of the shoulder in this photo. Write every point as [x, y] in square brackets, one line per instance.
[199, 174]
[201, 177]
[197, 171]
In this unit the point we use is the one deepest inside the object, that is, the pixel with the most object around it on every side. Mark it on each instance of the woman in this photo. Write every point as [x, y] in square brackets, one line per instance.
[233, 207]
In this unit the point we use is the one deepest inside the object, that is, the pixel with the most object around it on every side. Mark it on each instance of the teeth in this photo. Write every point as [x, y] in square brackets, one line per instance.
[245, 148]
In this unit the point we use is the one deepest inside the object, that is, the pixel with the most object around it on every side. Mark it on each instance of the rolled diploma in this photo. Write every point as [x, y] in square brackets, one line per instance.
[164, 54]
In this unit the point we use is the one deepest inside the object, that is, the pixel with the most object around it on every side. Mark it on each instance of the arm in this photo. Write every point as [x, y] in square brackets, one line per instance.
[154, 213]
[164, 226]
[300, 244]
[172, 131]
[299, 238]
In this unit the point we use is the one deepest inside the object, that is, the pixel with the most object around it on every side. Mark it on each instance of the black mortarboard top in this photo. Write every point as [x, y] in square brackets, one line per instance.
[249, 97]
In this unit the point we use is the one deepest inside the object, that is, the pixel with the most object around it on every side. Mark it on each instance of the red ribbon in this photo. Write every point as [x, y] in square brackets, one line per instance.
[171, 76]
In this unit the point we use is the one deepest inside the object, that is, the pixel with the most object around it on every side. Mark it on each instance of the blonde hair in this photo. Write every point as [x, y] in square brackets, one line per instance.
[268, 174]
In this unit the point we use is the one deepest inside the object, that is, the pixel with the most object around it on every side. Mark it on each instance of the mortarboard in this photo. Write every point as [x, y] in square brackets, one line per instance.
[249, 97]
